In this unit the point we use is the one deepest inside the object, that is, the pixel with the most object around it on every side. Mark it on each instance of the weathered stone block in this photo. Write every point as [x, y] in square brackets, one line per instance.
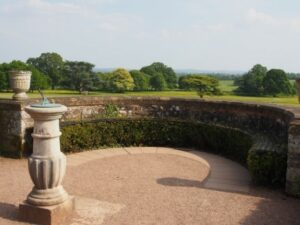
[47, 215]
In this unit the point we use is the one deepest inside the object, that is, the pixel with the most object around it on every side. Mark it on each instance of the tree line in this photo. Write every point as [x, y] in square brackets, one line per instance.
[50, 70]
[259, 81]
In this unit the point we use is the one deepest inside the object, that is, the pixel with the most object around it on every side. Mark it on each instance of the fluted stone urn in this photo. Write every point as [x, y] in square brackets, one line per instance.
[19, 83]
[47, 164]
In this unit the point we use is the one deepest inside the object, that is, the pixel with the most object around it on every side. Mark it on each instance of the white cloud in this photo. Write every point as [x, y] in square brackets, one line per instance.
[84, 16]
[212, 28]
[118, 22]
[261, 18]
[165, 33]
[42, 7]
[295, 24]
[65, 7]
[48, 7]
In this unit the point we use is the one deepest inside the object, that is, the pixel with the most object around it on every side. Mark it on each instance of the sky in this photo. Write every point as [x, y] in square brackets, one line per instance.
[230, 35]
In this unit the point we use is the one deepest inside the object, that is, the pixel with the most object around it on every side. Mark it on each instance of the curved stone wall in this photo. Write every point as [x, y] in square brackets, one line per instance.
[280, 124]
[253, 117]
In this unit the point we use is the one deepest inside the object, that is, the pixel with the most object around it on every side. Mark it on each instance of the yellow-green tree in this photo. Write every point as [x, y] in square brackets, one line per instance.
[120, 80]
[204, 85]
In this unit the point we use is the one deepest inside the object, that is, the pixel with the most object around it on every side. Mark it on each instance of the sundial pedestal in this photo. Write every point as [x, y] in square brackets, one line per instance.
[48, 203]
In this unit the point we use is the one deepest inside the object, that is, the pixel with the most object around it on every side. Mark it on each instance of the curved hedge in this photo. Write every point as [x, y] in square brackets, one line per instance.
[221, 140]
[267, 168]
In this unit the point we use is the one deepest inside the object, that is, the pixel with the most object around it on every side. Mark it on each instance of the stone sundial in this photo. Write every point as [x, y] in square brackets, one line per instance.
[45, 102]
[48, 203]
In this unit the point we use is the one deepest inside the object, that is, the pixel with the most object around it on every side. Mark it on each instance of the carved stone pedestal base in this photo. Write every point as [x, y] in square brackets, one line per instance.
[47, 215]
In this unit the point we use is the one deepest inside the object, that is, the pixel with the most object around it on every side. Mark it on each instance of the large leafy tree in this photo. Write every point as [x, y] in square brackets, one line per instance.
[17, 65]
[158, 82]
[4, 76]
[51, 64]
[252, 82]
[102, 81]
[276, 82]
[120, 80]
[204, 85]
[78, 76]
[141, 80]
[38, 79]
[3, 81]
[167, 72]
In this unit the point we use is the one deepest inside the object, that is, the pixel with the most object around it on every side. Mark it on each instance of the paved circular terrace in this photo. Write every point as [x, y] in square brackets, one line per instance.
[154, 186]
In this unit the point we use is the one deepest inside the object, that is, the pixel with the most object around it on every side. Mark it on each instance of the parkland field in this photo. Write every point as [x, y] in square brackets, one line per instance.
[226, 86]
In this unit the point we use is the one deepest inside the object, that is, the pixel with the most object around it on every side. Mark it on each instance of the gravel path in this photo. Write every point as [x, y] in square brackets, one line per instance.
[158, 189]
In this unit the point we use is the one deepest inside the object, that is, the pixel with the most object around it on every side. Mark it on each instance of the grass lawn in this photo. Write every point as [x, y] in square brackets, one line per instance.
[226, 86]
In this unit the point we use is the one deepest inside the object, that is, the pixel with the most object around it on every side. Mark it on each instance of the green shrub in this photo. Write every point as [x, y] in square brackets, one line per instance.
[111, 111]
[153, 132]
[297, 184]
[267, 168]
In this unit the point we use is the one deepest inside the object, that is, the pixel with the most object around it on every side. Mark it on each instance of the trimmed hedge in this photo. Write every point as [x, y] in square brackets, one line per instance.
[221, 140]
[266, 167]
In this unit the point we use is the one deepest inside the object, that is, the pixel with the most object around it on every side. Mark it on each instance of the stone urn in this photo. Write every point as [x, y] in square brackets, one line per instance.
[19, 83]
[298, 88]
[47, 164]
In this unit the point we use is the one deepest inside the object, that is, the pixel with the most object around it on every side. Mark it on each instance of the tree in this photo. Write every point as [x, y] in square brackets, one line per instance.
[78, 76]
[252, 82]
[17, 65]
[51, 64]
[167, 72]
[38, 80]
[120, 80]
[157, 82]
[276, 82]
[204, 85]
[141, 80]
[4, 77]
[102, 81]
[3, 81]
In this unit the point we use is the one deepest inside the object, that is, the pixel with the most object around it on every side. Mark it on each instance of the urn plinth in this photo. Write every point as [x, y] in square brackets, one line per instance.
[47, 164]
[20, 83]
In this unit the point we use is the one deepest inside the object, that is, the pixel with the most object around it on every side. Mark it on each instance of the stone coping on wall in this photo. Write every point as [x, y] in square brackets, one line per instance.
[132, 106]
[96, 100]
[290, 111]
[190, 109]
[287, 115]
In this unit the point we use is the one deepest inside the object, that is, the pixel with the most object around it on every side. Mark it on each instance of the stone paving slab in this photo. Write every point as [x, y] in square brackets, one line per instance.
[93, 212]
[225, 174]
